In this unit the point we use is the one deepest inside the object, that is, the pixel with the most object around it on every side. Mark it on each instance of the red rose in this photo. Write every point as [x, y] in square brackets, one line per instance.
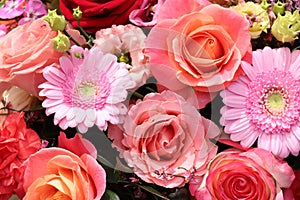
[99, 14]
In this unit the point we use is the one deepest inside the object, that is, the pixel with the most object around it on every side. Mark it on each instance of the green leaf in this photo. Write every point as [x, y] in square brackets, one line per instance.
[153, 191]
[110, 195]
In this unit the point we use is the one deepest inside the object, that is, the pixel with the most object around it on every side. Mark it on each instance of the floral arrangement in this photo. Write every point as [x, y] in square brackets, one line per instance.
[150, 99]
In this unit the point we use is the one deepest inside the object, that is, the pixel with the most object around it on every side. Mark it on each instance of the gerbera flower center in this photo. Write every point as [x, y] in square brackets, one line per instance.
[273, 104]
[87, 89]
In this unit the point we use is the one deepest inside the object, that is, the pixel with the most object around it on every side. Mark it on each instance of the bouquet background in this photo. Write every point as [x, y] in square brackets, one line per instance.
[149, 99]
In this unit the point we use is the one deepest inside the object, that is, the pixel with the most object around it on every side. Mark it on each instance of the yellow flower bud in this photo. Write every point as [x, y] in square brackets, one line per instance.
[256, 15]
[56, 22]
[286, 28]
[77, 13]
[61, 42]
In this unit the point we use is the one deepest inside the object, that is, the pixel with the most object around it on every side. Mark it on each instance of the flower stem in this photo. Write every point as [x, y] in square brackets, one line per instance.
[86, 36]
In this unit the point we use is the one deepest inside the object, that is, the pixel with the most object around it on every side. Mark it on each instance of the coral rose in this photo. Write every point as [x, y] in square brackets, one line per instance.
[201, 50]
[99, 14]
[17, 143]
[165, 139]
[24, 52]
[56, 173]
[254, 174]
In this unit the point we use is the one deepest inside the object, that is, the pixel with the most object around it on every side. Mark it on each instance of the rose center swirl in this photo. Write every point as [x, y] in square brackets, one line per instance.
[273, 104]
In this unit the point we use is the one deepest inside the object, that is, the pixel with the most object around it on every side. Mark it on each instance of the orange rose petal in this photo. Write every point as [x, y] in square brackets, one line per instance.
[59, 184]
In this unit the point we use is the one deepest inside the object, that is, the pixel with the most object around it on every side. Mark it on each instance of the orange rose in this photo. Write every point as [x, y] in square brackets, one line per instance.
[24, 52]
[56, 173]
[201, 50]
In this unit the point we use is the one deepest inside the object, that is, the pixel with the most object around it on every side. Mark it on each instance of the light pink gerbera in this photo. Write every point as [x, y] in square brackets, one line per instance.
[88, 89]
[265, 104]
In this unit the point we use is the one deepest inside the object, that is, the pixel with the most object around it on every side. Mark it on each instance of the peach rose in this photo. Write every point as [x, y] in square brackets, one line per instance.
[24, 52]
[165, 139]
[201, 50]
[56, 173]
[17, 143]
[253, 174]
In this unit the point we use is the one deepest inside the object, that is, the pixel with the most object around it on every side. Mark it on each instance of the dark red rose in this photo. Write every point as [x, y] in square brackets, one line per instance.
[99, 14]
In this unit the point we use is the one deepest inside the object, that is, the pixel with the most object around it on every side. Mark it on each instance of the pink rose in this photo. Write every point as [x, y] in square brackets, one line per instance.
[165, 139]
[234, 174]
[56, 173]
[24, 52]
[128, 40]
[17, 143]
[200, 49]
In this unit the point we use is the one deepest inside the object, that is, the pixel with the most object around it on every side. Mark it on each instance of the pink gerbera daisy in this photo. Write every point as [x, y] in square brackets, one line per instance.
[264, 105]
[88, 89]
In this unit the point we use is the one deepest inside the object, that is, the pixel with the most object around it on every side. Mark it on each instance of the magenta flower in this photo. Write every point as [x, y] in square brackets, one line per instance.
[12, 9]
[264, 105]
[87, 90]
[147, 14]
[34, 9]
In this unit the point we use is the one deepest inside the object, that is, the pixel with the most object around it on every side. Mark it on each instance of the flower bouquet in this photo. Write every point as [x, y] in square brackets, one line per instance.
[150, 99]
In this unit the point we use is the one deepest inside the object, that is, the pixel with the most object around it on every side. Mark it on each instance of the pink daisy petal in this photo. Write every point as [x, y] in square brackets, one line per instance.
[241, 135]
[248, 141]
[282, 59]
[238, 125]
[292, 143]
[296, 131]
[80, 115]
[232, 100]
[54, 75]
[238, 87]
[277, 142]
[269, 107]
[248, 69]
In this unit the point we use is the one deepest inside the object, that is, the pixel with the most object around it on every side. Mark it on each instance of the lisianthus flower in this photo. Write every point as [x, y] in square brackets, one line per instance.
[264, 104]
[88, 89]
[12, 9]
[127, 42]
[257, 16]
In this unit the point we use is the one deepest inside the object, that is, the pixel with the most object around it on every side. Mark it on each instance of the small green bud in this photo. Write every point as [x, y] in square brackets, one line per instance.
[77, 13]
[61, 42]
[279, 8]
[286, 28]
[56, 22]
[264, 4]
